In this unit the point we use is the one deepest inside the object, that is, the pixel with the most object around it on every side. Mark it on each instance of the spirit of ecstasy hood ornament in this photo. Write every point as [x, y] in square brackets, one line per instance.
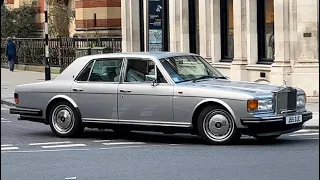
[285, 82]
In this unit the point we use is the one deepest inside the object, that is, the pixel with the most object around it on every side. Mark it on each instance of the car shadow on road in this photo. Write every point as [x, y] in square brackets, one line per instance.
[160, 138]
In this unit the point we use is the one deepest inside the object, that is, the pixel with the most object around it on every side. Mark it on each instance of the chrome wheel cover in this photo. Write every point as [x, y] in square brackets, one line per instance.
[218, 125]
[63, 119]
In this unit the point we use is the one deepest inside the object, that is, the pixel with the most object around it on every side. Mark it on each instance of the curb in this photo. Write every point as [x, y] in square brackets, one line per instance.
[33, 68]
[311, 127]
[312, 99]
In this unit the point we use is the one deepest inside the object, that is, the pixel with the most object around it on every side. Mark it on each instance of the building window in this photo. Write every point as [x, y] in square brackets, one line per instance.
[226, 13]
[193, 6]
[265, 14]
[197, 27]
[141, 19]
[318, 35]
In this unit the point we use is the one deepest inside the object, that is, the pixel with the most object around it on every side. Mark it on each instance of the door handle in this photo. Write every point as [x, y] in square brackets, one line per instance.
[122, 90]
[77, 89]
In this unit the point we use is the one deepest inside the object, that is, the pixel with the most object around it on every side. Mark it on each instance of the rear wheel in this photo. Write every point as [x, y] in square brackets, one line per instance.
[216, 126]
[64, 120]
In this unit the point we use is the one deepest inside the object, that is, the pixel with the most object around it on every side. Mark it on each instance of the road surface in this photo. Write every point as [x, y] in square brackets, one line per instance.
[30, 151]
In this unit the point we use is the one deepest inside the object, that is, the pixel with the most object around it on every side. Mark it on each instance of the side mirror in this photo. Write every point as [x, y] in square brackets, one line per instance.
[153, 79]
[154, 82]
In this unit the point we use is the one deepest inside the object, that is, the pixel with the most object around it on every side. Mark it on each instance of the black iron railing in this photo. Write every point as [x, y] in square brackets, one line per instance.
[30, 51]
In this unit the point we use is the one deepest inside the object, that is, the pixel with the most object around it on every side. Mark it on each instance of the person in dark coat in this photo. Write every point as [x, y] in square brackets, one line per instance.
[11, 53]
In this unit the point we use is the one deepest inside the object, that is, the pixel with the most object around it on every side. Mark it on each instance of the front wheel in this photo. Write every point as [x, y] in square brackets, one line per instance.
[65, 120]
[216, 126]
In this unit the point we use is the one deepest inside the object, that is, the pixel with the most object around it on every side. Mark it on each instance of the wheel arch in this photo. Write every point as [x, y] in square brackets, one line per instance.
[57, 98]
[204, 103]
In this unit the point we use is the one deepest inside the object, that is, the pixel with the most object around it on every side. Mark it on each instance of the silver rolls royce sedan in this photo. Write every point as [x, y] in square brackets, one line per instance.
[162, 91]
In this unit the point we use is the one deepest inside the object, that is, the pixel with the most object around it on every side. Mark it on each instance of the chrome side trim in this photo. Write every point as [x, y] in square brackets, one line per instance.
[97, 119]
[134, 122]
[155, 122]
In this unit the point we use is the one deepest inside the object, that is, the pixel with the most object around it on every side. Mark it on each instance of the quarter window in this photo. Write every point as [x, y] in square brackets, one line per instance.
[106, 70]
[84, 74]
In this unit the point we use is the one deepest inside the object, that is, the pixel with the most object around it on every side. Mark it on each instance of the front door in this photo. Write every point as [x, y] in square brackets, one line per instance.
[142, 101]
[95, 90]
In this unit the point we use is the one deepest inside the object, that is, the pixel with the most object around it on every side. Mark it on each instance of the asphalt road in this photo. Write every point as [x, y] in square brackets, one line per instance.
[31, 151]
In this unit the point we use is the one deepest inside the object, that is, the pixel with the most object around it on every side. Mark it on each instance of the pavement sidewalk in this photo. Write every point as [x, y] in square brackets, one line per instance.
[9, 80]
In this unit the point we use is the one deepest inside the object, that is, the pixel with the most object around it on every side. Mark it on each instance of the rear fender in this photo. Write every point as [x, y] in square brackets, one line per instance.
[62, 97]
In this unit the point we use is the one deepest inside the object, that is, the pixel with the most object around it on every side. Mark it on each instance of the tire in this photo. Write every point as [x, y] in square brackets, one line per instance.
[68, 125]
[222, 123]
[267, 138]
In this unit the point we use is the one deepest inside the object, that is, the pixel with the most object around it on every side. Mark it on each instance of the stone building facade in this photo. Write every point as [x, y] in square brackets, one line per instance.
[98, 16]
[274, 41]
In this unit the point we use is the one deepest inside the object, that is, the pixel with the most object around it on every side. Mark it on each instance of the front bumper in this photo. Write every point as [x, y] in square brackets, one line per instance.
[272, 125]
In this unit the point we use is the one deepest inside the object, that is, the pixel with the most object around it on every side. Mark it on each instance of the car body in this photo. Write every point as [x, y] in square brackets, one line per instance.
[160, 91]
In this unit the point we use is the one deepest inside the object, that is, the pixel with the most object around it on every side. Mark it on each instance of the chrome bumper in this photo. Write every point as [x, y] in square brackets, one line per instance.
[272, 125]
[276, 119]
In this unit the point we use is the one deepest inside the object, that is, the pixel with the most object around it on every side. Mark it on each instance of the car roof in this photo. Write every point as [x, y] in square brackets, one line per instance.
[155, 55]
[74, 68]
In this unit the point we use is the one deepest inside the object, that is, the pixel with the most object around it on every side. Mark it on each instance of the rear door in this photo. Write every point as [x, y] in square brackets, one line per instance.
[95, 90]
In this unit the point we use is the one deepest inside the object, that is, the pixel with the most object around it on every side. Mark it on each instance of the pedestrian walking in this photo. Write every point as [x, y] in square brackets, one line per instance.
[11, 53]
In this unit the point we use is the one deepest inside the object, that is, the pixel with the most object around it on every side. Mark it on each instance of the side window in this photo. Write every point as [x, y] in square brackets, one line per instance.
[139, 70]
[106, 70]
[84, 74]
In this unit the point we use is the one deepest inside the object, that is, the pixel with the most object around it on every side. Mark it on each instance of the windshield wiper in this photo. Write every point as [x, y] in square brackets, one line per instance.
[209, 76]
[221, 77]
[204, 77]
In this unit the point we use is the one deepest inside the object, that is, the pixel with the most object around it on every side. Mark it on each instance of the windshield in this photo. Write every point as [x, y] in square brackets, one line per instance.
[189, 68]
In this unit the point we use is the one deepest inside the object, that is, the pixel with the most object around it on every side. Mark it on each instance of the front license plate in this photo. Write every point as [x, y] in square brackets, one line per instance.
[294, 119]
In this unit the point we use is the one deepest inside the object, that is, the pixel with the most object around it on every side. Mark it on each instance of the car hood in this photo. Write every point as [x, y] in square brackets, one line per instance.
[234, 86]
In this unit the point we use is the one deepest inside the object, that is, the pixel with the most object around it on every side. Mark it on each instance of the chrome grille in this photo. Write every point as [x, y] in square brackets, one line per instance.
[286, 100]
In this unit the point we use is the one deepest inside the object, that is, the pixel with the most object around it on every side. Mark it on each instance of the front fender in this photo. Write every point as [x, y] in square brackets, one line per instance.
[219, 101]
